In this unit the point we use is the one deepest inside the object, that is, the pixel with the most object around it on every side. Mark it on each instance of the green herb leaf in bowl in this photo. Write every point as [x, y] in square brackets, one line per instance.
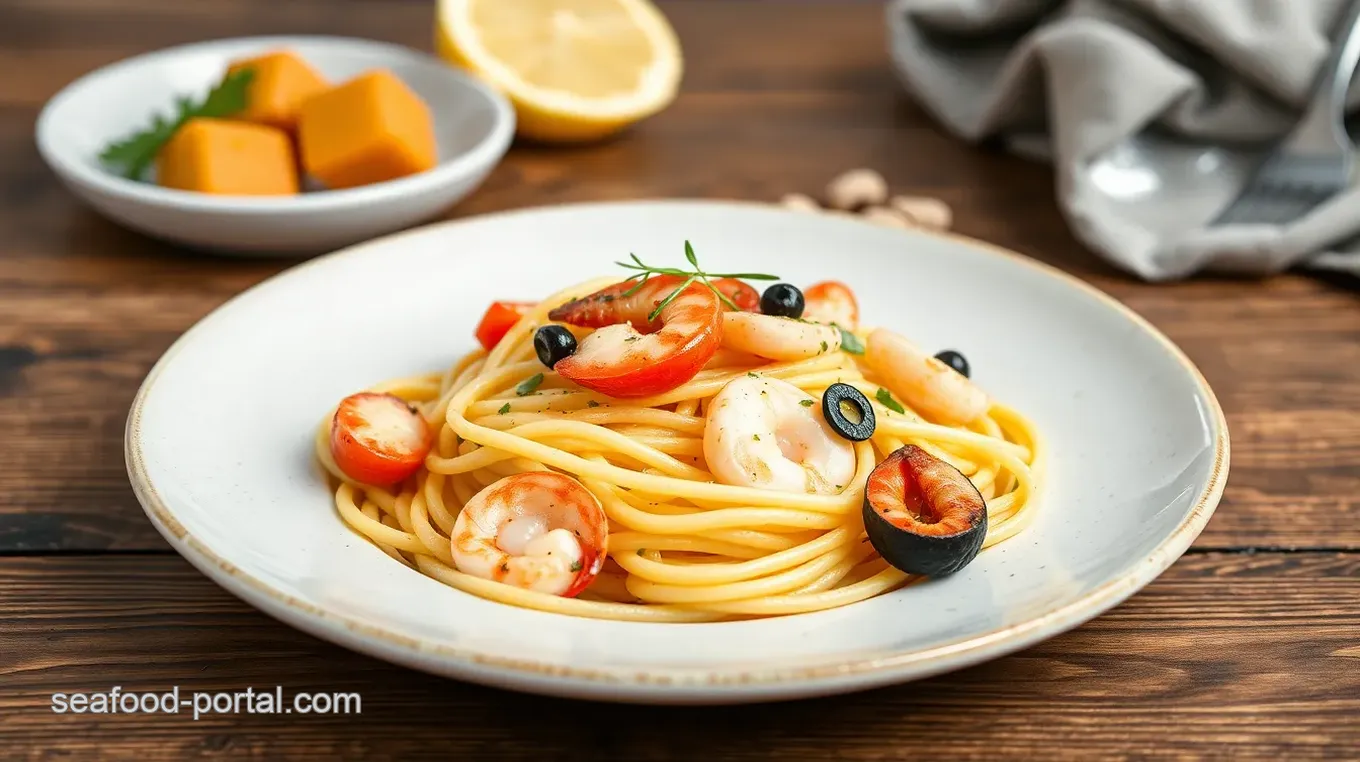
[132, 154]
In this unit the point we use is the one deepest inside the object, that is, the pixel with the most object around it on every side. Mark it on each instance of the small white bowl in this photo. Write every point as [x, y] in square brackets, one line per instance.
[473, 127]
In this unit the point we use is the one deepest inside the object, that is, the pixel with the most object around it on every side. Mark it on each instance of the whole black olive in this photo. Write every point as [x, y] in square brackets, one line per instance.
[954, 360]
[553, 343]
[782, 300]
[838, 395]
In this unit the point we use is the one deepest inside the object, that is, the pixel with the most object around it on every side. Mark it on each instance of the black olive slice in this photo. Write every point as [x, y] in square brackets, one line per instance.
[922, 515]
[553, 343]
[837, 398]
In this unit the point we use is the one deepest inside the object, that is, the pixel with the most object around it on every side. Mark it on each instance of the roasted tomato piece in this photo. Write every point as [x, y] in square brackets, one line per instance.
[740, 292]
[831, 302]
[499, 318]
[922, 514]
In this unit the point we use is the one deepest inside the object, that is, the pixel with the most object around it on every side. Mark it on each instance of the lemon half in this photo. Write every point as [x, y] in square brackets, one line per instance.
[575, 70]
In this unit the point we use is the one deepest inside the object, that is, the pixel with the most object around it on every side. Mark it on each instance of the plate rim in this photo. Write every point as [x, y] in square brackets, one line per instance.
[682, 683]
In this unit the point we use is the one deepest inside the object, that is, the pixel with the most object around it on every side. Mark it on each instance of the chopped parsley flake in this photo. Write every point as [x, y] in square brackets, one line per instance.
[576, 565]
[528, 385]
[752, 375]
[504, 409]
[756, 437]
[851, 343]
[823, 346]
[592, 403]
[805, 403]
[641, 551]
[885, 397]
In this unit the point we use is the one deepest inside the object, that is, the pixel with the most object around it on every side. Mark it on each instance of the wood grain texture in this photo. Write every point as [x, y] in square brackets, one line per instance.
[1227, 656]
[1235, 655]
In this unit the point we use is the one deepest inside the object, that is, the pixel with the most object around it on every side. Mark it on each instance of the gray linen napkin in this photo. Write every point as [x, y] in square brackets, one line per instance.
[1150, 110]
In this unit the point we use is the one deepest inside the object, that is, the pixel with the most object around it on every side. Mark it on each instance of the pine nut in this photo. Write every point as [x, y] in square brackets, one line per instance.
[927, 212]
[799, 202]
[856, 189]
[882, 215]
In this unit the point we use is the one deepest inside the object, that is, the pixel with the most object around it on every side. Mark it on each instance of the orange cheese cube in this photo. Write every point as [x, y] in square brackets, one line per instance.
[367, 130]
[281, 82]
[230, 158]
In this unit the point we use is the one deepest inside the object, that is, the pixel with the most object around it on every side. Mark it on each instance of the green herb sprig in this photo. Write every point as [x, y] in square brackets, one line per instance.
[690, 276]
[134, 153]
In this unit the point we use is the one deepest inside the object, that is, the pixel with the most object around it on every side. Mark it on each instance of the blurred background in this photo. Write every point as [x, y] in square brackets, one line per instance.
[777, 96]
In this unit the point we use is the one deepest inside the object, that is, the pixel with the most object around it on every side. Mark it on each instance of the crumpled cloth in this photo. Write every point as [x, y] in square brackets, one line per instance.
[1152, 112]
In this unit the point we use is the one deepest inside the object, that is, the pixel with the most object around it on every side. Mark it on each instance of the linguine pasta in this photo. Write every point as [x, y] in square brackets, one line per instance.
[681, 547]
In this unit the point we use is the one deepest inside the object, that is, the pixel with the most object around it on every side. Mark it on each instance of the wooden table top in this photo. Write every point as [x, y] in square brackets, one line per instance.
[1249, 647]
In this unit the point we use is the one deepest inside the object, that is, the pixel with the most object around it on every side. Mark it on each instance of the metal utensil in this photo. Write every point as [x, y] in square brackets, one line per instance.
[1314, 161]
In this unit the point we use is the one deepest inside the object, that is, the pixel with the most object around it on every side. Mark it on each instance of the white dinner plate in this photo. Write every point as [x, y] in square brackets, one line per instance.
[219, 449]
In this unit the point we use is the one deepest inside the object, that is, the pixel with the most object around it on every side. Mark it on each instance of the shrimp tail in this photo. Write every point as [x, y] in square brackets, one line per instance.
[614, 304]
[594, 311]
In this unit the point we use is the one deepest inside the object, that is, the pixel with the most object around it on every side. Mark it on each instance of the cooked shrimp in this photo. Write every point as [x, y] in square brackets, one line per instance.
[934, 389]
[767, 433]
[539, 530]
[631, 357]
[778, 338]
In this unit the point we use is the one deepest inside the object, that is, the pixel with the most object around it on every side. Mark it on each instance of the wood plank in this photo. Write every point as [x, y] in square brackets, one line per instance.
[1226, 656]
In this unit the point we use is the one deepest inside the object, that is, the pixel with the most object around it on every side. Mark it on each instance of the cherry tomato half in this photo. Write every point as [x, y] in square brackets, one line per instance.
[742, 294]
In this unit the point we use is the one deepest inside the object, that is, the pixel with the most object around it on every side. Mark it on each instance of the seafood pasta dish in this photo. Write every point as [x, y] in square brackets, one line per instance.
[672, 445]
